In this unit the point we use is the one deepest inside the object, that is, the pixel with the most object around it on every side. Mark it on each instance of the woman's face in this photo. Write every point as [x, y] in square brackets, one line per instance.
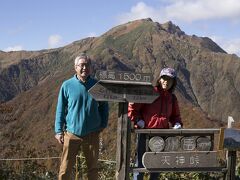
[166, 82]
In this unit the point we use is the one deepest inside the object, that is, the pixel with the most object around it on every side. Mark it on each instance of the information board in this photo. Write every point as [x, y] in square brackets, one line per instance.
[159, 160]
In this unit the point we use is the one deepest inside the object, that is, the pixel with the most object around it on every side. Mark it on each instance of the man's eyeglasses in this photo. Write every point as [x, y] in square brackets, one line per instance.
[87, 65]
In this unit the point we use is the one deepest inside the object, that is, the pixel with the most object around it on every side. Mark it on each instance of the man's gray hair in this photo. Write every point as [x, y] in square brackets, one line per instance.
[82, 56]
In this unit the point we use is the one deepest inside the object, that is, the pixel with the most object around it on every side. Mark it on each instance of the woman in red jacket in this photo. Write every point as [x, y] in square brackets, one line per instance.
[163, 113]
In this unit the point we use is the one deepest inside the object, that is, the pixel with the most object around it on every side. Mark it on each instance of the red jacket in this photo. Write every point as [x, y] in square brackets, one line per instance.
[158, 114]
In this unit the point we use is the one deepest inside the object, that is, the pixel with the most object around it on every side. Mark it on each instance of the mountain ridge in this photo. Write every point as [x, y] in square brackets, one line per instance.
[208, 81]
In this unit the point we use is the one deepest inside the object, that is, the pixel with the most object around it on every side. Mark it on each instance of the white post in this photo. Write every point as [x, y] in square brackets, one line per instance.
[230, 121]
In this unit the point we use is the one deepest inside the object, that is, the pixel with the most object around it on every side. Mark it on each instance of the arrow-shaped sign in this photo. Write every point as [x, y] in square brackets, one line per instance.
[103, 91]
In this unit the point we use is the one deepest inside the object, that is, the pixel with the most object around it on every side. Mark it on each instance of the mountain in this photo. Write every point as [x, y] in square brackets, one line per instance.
[208, 85]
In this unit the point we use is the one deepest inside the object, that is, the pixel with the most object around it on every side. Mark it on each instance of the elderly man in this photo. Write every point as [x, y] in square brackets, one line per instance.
[79, 120]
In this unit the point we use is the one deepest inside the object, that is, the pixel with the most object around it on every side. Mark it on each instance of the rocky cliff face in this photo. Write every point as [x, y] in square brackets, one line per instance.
[208, 84]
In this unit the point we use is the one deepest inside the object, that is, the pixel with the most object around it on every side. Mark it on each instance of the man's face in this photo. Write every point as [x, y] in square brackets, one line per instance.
[83, 69]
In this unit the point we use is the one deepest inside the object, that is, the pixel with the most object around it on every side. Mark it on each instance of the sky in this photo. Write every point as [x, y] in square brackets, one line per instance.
[35, 25]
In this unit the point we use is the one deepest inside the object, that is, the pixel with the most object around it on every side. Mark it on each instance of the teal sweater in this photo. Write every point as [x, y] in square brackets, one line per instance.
[77, 112]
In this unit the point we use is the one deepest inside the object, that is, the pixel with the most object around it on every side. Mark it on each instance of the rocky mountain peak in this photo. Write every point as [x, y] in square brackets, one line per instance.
[172, 28]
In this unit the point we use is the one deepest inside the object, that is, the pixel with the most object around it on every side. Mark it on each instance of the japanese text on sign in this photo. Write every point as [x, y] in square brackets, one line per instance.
[121, 93]
[180, 159]
[124, 76]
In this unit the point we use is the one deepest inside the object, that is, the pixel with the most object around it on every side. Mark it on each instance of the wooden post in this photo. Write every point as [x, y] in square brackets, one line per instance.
[123, 143]
[231, 157]
[231, 165]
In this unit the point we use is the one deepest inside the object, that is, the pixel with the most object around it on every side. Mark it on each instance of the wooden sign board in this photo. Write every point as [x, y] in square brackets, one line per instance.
[103, 91]
[124, 77]
[179, 143]
[188, 143]
[204, 144]
[158, 160]
[231, 139]
[172, 144]
[156, 144]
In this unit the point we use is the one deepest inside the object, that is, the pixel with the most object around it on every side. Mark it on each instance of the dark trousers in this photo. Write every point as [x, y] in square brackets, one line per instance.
[141, 149]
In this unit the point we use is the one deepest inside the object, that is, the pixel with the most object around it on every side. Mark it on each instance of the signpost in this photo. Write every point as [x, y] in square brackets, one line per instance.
[171, 150]
[230, 141]
[183, 150]
[103, 91]
[123, 87]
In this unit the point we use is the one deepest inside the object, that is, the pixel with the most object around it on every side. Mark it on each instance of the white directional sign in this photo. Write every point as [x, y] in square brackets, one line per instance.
[119, 86]
[123, 92]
